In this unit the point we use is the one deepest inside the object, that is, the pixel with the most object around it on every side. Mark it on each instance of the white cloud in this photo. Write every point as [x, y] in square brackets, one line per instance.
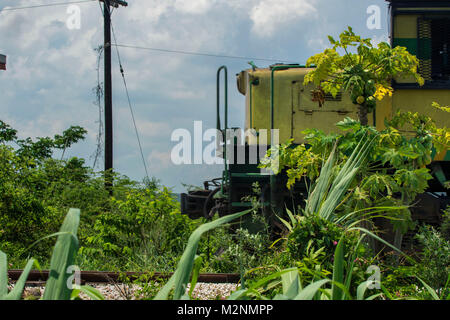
[194, 6]
[158, 161]
[269, 15]
[318, 44]
[149, 129]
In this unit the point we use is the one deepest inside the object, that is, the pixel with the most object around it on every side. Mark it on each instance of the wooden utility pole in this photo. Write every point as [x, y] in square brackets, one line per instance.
[108, 90]
[2, 62]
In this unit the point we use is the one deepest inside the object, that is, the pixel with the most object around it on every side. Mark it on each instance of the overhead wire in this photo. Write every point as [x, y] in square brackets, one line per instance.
[194, 53]
[46, 5]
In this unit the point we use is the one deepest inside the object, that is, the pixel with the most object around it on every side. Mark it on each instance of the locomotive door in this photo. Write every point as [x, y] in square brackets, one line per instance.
[308, 112]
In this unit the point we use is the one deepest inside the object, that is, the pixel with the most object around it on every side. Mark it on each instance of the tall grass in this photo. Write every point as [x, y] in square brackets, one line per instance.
[64, 252]
[180, 278]
[319, 288]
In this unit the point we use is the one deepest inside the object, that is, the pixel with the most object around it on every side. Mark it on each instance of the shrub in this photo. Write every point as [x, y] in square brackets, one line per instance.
[445, 226]
[140, 221]
[233, 252]
[313, 233]
[144, 226]
[235, 248]
[434, 267]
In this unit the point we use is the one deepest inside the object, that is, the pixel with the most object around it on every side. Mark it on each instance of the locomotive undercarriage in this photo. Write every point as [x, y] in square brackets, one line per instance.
[229, 194]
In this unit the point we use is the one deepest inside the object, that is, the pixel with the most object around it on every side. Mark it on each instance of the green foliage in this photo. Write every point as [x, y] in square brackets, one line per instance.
[43, 148]
[313, 233]
[24, 218]
[394, 172]
[139, 227]
[365, 73]
[147, 288]
[445, 226]
[231, 251]
[31, 184]
[434, 266]
[7, 134]
[429, 276]
[144, 225]
[294, 286]
[16, 293]
[178, 282]
[323, 224]
[63, 256]
[331, 186]
[64, 252]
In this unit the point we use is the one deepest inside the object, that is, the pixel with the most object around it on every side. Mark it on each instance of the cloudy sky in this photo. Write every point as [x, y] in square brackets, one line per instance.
[52, 68]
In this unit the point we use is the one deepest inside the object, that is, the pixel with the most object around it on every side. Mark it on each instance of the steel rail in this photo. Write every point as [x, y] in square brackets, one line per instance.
[116, 277]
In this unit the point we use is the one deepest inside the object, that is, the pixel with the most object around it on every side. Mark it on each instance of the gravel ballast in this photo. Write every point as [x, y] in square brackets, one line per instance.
[202, 291]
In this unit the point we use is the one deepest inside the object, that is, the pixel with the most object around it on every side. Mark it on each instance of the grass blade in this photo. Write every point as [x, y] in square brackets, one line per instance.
[291, 284]
[63, 256]
[3, 274]
[195, 273]
[181, 275]
[16, 293]
[92, 293]
[259, 284]
[430, 290]
[411, 260]
[338, 271]
[361, 290]
[310, 291]
[320, 190]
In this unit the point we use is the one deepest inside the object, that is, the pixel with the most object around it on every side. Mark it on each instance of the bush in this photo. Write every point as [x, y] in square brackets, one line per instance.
[445, 226]
[140, 221]
[231, 250]
[24, 217]
[434, 267]
[142, 230]
[322, 233]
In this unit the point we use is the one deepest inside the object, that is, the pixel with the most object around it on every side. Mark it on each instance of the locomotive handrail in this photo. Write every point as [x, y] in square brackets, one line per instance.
[224, 68]
[224, 132]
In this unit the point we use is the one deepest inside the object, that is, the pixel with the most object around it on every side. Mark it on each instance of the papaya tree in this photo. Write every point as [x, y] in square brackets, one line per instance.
[354, 65]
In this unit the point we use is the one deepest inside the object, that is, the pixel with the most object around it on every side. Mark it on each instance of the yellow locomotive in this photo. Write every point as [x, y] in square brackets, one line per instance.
[276, 97]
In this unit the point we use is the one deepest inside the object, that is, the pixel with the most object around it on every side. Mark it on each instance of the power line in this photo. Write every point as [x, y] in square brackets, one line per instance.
[130, 106]
[46, 5]
[150, 48]
[199, 53]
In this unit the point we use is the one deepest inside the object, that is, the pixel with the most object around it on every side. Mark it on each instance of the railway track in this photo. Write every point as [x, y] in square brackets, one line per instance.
[39, 277]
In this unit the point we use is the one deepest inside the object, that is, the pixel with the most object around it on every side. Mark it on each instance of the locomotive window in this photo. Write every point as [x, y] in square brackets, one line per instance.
[434, 50]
